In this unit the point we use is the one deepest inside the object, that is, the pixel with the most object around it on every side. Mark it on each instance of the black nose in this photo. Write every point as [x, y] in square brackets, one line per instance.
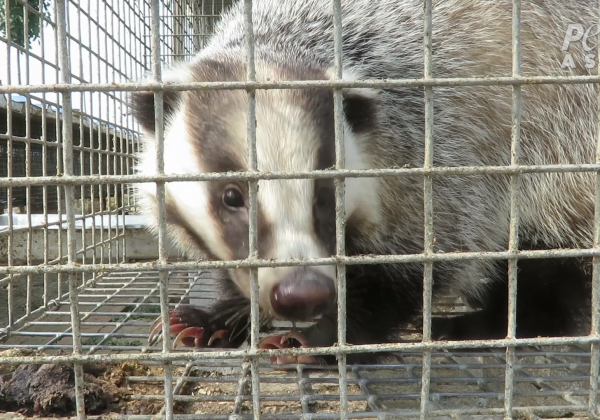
[304, 295]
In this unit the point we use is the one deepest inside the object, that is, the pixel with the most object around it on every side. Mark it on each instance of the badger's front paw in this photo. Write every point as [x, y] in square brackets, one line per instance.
[193, 329]
[290, 340]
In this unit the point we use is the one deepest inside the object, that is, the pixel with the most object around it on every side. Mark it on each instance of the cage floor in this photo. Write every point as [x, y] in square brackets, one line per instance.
[117, 311]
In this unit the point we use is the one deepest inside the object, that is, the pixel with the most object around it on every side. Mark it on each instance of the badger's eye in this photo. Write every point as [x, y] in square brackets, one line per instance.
[233, 198]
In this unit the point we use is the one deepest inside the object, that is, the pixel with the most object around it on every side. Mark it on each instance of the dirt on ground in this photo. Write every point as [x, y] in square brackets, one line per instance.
[49, 389]
[34, 390]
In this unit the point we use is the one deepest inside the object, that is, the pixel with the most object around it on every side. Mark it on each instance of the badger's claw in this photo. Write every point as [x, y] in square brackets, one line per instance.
[292, 339]
[220, 334]
[187, 335]
[156, 328]
[155, 331]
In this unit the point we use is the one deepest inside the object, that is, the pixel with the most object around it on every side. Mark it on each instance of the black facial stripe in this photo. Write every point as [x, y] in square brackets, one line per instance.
[234, 228]
[208, 115]
[324, 213]
[216, 153]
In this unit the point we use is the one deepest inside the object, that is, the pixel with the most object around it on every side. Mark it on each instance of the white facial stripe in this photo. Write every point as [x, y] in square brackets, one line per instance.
[360, 193]
[287, 143]
[288, 206]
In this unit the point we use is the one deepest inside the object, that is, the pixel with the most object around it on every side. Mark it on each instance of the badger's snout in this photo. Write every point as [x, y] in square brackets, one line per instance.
[302, 296]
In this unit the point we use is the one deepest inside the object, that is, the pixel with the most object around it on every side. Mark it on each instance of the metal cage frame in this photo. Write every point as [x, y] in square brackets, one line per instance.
[115, 265]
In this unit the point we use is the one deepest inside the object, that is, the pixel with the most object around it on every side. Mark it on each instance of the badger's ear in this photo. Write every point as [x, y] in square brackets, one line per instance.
[360, 104]
[141, 105]
[360, 109]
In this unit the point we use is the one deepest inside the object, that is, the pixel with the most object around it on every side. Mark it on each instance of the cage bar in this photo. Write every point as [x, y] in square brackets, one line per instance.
[427, 207]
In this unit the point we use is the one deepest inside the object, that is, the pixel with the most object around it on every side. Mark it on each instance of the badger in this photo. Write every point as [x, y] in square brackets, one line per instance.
[206, 131]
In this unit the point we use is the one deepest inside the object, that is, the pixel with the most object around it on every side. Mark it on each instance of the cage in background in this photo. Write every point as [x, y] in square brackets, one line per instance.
[79, 277]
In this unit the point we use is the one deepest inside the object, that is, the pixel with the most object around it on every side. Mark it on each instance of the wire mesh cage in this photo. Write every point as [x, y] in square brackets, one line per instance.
[82, 280]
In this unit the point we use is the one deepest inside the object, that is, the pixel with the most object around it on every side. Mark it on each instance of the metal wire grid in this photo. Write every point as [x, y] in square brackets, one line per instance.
[106, 44]
[117, 312]
[188, 26]
[509, 393]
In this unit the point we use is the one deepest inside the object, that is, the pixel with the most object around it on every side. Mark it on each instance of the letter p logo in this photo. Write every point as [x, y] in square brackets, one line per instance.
[574, 33]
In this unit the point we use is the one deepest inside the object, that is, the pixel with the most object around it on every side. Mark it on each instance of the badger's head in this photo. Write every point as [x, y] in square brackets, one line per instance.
[206, 131]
